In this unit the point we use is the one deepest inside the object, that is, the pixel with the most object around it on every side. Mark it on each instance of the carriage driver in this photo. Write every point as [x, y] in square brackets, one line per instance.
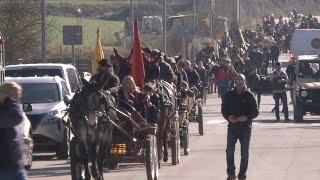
[106, 75]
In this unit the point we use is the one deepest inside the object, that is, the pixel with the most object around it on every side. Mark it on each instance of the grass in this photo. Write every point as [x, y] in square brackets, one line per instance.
[90, 26]
[92, 2]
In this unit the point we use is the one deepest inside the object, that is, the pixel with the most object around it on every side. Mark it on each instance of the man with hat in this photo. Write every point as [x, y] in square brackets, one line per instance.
[239, 108]
[106, 75]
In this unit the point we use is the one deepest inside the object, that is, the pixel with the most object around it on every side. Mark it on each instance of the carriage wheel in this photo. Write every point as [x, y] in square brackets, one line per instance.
[76, 165]
[200, 120]
[205, 95]
[185, 139]
[151, 155]
[175, 144]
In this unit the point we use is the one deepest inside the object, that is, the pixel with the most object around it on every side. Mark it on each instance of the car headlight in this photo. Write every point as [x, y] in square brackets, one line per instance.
[304, 93]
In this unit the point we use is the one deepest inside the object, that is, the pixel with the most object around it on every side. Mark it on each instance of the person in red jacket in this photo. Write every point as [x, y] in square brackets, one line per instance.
[224, 76]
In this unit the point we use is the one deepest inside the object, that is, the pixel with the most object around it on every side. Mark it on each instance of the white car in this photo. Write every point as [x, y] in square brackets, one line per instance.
[28, 142]
[44, 102]
[65, 71]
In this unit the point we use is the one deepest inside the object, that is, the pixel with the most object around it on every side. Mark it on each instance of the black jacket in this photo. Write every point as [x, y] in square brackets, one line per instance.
[203, 75]
[243, 104]
[112, 81]
[193, 77]
[166, 72]
[275, 51]
[11, 143]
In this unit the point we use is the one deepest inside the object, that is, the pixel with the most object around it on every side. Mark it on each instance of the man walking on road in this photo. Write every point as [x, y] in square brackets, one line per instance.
[279, 80]
[239, 108]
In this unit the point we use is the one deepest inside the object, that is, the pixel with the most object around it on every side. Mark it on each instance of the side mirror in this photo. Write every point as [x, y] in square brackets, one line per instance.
[67, 99]
[27, 107]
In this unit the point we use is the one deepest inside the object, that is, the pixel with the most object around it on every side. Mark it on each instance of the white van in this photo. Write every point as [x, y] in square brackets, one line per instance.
[301, 42]
[66, 71]
[44, 102]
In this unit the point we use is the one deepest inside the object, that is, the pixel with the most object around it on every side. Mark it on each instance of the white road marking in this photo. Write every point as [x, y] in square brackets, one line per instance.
[216, 121]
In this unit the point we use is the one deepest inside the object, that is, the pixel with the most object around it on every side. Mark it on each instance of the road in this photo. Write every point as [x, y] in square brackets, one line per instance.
[279, 151]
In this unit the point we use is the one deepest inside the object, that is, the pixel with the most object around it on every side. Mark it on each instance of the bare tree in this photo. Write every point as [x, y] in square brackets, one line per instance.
[20, 24]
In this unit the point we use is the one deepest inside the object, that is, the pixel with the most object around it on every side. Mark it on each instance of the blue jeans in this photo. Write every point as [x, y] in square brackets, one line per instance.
[283, 97]
[13, 175]
[244, 136]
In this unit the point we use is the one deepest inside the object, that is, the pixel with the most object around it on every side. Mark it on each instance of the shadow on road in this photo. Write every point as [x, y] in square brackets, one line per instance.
[49, 172]
[307, 122]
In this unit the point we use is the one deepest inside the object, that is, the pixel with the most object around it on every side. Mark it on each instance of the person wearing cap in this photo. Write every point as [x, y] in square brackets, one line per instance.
[239, 108]
[279, 80]
[106, 75]
[11, 133]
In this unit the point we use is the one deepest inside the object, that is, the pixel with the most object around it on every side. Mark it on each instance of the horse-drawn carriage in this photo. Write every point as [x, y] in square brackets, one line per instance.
[189, 110]
[106, 135]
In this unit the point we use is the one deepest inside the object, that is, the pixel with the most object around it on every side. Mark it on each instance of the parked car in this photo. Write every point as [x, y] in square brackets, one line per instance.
[28, 142]
[307, 86]
[65, 71]
[43, 100]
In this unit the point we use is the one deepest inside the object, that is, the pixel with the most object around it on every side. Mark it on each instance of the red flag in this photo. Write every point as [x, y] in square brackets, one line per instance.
[137, 68]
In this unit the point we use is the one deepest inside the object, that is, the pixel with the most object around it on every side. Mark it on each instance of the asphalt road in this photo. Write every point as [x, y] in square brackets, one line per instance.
[279, 151]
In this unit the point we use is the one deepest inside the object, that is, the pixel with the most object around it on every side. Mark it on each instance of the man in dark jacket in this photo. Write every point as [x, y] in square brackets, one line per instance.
[239, 108]
[193, 76]
[166, 72]
[12, 147]
[274, 54]
[279, 80]
[106, 75]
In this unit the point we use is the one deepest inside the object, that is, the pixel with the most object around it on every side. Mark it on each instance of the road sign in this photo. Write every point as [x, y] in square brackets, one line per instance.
[72, 35]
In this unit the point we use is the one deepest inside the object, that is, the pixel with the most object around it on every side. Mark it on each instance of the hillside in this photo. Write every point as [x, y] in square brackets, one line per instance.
[110, 15]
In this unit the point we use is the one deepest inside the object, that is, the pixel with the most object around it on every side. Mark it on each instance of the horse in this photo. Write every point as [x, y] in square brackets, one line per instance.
[91, 112]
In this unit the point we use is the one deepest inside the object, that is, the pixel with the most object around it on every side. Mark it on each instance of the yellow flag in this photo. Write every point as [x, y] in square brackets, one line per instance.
[98, 53]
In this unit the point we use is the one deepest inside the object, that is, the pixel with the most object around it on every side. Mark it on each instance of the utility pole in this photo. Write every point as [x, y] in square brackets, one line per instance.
[211, 19]
[263, 13]
[132, 20]
[250, 13]
[165, 26]
[194, 30]
[43, 31]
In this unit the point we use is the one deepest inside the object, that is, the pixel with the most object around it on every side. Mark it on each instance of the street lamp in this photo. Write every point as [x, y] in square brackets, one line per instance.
[79, 11]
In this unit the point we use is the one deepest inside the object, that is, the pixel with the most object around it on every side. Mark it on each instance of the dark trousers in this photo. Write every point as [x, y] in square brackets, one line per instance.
[244, 136]
[13, 175]
[274, 60]
[283, 97]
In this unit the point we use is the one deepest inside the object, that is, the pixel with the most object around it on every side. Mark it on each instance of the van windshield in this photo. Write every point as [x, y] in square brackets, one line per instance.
[309, 70]
[40, 93]
[33, 72]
